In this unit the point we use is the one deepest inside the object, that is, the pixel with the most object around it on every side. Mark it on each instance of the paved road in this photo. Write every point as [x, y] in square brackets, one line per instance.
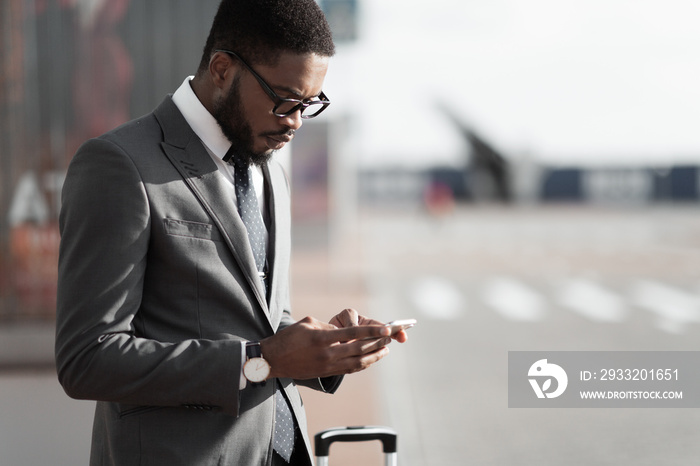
[486, 281]
[39, 424]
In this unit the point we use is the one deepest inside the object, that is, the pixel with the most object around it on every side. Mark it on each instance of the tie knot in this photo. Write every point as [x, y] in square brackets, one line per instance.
[237, 162]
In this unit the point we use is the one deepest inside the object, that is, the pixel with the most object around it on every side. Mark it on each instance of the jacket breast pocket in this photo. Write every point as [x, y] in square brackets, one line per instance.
[188, 229]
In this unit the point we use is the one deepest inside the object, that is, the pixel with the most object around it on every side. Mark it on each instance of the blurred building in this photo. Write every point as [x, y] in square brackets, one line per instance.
[71, 70]
[627, 185]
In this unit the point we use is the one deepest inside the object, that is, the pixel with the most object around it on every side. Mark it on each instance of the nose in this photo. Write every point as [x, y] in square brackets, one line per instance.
[293, 121]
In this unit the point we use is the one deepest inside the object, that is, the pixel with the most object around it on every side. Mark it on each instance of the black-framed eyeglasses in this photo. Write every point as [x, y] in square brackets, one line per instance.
[285, 107]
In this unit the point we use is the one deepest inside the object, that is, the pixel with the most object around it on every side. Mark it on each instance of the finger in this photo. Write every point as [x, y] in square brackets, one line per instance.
[401, 336]
[349, 318]
[362, 320]
[371, 358]
[369, 346]
[360, 332]
[359, 348]
[351, 364]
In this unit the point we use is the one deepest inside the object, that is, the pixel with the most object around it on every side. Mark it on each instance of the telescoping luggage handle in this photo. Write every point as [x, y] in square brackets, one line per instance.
[323, 440]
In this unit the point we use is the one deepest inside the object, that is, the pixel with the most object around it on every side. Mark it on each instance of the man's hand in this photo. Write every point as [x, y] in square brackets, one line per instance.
[350, 318]
[311, 348]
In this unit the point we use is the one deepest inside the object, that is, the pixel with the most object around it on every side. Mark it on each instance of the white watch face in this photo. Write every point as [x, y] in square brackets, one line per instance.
[256, 370]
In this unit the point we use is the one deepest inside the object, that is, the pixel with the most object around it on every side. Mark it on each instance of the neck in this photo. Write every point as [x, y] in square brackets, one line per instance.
[200, 88]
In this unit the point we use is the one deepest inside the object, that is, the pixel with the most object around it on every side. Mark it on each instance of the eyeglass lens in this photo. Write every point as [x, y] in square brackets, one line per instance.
[307, 111]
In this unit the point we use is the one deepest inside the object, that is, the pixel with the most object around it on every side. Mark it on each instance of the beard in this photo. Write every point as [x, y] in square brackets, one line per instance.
[228, 113]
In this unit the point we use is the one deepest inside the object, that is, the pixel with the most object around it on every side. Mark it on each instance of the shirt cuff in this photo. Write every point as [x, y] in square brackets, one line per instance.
[243, 381]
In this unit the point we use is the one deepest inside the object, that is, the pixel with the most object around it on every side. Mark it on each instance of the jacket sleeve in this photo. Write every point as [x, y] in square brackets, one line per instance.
[105, 228]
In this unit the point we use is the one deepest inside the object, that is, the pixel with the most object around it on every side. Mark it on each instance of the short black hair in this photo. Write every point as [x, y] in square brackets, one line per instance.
[259, 30]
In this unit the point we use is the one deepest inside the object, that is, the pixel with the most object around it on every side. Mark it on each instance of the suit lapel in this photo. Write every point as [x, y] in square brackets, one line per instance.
[190, 158]
[272, 245]
[280, 247]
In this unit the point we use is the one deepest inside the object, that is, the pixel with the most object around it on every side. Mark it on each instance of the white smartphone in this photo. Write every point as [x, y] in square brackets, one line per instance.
[398, 325]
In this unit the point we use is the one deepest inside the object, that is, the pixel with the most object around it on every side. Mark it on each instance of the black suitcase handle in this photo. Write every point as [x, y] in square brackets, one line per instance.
[324, 439]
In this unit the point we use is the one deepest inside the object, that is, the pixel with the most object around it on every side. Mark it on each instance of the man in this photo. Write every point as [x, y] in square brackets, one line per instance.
[173, 294]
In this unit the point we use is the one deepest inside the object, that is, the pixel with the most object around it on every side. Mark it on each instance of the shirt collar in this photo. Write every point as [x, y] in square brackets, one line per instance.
[200, 120]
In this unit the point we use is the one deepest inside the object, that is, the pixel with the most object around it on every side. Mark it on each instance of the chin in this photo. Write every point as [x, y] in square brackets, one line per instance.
[261, 158]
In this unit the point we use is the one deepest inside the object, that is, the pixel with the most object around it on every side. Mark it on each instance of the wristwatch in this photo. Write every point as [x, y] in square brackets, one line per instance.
[255, 369]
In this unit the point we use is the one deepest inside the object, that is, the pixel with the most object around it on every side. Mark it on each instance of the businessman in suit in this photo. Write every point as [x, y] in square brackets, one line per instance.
[173, 305]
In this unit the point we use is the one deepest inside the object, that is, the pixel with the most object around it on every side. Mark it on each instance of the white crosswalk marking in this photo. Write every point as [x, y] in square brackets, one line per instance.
[674, 308]
[591, 301]
[437, 298]
[441, 299]
[514, 300]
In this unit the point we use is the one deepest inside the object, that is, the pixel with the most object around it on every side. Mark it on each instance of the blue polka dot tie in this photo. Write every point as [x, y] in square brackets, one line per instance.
[249, 210]
[283, 439]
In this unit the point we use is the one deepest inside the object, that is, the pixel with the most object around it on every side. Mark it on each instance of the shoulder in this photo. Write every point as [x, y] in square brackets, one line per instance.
[164, 122]
[142, 136]
[135, 133]
[121, 139]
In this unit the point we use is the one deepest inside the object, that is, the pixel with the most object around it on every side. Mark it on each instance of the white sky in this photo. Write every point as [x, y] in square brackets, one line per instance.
[582, 81]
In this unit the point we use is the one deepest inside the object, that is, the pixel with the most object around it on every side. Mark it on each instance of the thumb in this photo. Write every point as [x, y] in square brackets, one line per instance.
[347, 318]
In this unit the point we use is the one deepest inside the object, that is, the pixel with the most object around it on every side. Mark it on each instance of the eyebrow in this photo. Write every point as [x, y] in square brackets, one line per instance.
[295, 93]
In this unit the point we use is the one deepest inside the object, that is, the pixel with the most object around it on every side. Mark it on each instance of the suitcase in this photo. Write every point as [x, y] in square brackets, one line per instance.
[324, 439]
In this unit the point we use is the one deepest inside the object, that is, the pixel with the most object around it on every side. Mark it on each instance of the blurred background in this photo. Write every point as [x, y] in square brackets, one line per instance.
[515, 175]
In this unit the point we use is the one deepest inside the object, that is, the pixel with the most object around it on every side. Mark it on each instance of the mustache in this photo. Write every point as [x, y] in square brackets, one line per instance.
[289, 132]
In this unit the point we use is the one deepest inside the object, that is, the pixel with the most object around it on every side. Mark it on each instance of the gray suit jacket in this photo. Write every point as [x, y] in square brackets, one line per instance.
[157, 287]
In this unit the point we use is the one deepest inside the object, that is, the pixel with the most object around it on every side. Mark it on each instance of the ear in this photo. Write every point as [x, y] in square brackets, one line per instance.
[221, 69]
